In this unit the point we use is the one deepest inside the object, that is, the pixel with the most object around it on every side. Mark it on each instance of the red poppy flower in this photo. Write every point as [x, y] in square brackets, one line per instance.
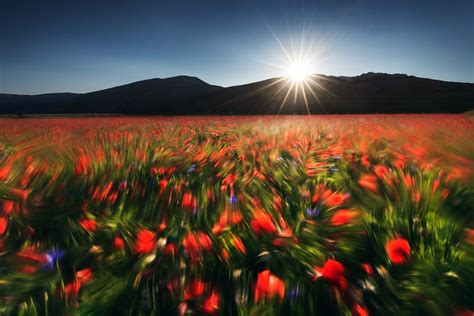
[365, 161]
[333, 199]
[360, 311]
[188, 200]
[5, 171]
[119, 243]
[268, 286]
[469, 233]
[263, 223]
[333, 271]
[194, 290]
[162, 225]
[237, 242]
[196, 244]
[163, 183]
[84, 275]
[28, 269]
[343, 217]
[211, 304]
[145, 241]
[436, 184]
[154, 170]
[88, 224]
[72, 288]
[171, 249]
[225, 255]
[408, 179]
[398, 250]
[30, 254]
[381, 171]
[227, 217]
[8, 206]
[369, 182]
[3, 224]
[82, 164]
[367, 268]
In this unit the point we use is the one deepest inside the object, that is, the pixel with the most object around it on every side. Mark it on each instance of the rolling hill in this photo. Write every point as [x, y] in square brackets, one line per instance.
[184, 95]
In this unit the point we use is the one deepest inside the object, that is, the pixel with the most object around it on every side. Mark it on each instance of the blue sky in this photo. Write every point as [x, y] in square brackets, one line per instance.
[80, 46]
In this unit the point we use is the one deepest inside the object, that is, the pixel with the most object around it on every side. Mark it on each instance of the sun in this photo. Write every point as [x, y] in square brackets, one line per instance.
[298, 71]
[299, 82]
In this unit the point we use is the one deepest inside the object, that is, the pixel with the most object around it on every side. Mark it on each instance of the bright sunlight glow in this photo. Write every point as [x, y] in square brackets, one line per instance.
[298, 71]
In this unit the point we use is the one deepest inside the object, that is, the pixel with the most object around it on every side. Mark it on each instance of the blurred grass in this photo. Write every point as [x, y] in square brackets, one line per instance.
[70, 187]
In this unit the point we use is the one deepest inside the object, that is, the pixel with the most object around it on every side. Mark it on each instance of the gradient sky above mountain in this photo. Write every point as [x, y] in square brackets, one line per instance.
[80, 46]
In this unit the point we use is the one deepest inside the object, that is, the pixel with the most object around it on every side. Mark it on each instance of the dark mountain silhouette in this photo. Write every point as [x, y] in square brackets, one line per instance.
[367, 93]
[144, 96]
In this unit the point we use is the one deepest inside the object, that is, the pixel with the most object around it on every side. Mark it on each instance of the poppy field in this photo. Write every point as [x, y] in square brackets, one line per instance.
[319, 215]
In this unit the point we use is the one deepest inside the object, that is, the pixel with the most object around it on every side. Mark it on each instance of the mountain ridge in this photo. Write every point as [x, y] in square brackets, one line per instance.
[180, 95]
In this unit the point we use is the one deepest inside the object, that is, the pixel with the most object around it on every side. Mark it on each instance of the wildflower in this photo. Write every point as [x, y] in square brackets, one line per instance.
[3, 224]
[194, 290]
[145, 241]
[360, 311]
[343, 217]
[398, 250]
[72, 288]
[211, 304]
[197, 243]
[162, 225]
[119, 243]
[408, 180]
[237, 242]
[225, 255]
[364, 161]
[84, 275]
[369, 182]
[5, 171]
[445, 194]
[8, 206]
[268, 286]
[163, 183]
[381, 171]
[436, 184]
[227, 217]
[469, 235]
[154, 170]
[333, 271]
[32, 255]
[334, 199]
[189, 201]
[263, 223]
[88, 224]
[171, 249]
[82, 164]
[312, 212]
[233, 199]
[367, 268]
